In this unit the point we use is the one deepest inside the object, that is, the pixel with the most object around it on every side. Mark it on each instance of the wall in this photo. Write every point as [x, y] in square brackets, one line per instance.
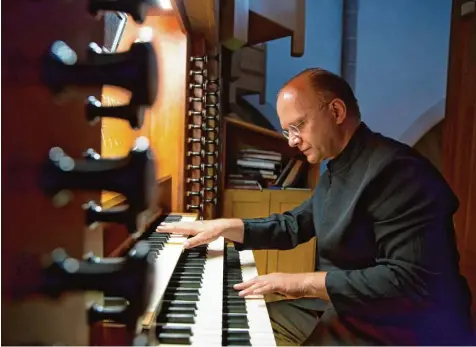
[402, 49]
[402, 57]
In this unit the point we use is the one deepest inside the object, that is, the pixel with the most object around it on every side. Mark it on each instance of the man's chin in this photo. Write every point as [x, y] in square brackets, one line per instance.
[312, 158]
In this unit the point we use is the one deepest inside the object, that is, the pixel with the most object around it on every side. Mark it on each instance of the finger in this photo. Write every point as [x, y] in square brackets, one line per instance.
[175, 229]
[195, 241]
[266, 289]
[251, 290]
[246, 284]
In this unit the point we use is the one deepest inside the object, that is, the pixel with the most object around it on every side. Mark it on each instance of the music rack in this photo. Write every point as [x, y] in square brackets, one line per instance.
[202, 167]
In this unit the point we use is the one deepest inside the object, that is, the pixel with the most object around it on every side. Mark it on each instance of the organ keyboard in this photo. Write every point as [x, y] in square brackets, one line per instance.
[194, 302]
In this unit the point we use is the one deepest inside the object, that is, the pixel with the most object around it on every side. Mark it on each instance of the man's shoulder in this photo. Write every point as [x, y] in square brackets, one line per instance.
[384, 151]
[393, 161]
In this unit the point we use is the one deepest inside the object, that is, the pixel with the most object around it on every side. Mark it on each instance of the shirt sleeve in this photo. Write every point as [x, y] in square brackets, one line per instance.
[280, 230]
[411, 206]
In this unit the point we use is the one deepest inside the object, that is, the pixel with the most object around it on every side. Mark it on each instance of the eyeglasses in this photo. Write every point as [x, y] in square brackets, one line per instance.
[293, 130]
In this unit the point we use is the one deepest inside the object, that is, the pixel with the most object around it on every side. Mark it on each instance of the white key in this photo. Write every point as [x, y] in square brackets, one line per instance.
[164, 267]
[260, 329]
[207, 329]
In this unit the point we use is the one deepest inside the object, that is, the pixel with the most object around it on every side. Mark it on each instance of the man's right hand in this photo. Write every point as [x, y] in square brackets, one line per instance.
[204, 232]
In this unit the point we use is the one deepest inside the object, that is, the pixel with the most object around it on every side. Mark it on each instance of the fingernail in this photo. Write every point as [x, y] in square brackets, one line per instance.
[186, 244]
[241, 293]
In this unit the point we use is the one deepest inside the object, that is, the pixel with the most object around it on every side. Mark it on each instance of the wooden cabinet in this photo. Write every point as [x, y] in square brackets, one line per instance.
[256, 204]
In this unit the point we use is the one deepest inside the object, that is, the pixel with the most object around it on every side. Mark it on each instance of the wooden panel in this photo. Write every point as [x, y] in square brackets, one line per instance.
[204, 17]
[248, 204]
[253, 60]
[459, 136]
[167, 132]
[165, 121]
[33, 122]
[301, 258]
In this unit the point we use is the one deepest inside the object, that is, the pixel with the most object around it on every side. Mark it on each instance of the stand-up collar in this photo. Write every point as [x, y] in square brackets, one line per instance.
[351, 151]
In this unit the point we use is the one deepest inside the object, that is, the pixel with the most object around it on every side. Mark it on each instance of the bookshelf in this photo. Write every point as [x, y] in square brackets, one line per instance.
[242, 140]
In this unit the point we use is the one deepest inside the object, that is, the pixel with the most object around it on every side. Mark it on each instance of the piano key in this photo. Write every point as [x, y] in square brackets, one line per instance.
[187, 318]
[206, 329]
[260, 328]
[165, 264]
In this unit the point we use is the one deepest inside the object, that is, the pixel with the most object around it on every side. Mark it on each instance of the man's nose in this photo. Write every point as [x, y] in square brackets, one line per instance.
[293, 140]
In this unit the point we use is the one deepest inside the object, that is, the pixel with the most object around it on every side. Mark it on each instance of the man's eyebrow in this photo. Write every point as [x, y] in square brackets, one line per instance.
[300, 119]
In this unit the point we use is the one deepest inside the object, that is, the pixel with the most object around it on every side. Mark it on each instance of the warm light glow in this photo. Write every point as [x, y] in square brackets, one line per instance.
[145, 34]
[165, 4]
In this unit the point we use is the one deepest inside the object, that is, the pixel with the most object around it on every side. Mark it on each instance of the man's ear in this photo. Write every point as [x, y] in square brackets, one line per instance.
[339, 110]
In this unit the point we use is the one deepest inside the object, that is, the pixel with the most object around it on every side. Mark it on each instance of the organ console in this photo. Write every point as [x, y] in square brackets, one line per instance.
[91, 128]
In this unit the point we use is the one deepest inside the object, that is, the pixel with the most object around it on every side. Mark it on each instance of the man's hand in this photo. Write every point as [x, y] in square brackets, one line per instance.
[292, 286]
[204, 232]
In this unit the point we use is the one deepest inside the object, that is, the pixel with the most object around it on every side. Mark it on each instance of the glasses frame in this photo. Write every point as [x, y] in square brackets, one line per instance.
[294, 128]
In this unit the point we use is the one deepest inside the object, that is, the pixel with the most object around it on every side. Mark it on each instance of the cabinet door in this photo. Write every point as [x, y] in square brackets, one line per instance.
[301, 258]
[248, 204]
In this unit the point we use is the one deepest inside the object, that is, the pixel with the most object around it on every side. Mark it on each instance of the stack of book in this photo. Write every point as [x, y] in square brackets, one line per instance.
[256, 169]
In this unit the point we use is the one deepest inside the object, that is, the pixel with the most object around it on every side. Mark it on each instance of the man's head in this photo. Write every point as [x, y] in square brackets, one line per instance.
[318, 113]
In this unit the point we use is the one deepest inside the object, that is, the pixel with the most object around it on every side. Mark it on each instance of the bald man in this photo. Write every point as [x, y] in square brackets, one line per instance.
[386, 269]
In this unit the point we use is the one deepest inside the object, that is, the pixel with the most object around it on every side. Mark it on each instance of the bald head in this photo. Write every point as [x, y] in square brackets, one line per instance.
[316, 85]
[299, 93]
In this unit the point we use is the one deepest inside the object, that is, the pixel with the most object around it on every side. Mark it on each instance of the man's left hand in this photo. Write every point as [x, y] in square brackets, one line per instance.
[292, 286]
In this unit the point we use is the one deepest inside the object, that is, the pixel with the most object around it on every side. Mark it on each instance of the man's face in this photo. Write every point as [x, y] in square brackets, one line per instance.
[309, 122]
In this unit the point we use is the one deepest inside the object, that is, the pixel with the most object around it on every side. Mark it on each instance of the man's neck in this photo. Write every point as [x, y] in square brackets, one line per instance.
[349, 131]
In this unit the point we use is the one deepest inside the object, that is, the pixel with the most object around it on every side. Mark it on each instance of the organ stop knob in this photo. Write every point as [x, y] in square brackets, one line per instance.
[135, 70]
[122, 214]
[133, 176]
[134, 114]
[131, 277]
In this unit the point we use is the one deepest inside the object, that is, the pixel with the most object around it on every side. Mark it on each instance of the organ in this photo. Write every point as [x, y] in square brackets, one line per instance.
[112, 122]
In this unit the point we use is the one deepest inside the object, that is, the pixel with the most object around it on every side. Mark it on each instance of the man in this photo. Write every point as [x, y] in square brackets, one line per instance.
[387, 270]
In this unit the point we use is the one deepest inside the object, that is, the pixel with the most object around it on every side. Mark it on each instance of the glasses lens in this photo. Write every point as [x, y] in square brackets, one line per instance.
[286, 134]
[294, 130]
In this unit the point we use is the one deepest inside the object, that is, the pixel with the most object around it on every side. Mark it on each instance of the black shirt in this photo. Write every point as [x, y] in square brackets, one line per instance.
[383, 219]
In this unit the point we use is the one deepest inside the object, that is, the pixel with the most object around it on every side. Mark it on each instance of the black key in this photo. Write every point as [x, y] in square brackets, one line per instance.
[171, 289]
[173, 218]
[235, 308]
[191, 261]
[180, 296]
[174, 339]
[185, 283]
[236, 338]
[172, 329]
[176, 318]
[179, 310]
[179, 303]
[231, 298]
[186, 277]
[189, 270]
[235, 321]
